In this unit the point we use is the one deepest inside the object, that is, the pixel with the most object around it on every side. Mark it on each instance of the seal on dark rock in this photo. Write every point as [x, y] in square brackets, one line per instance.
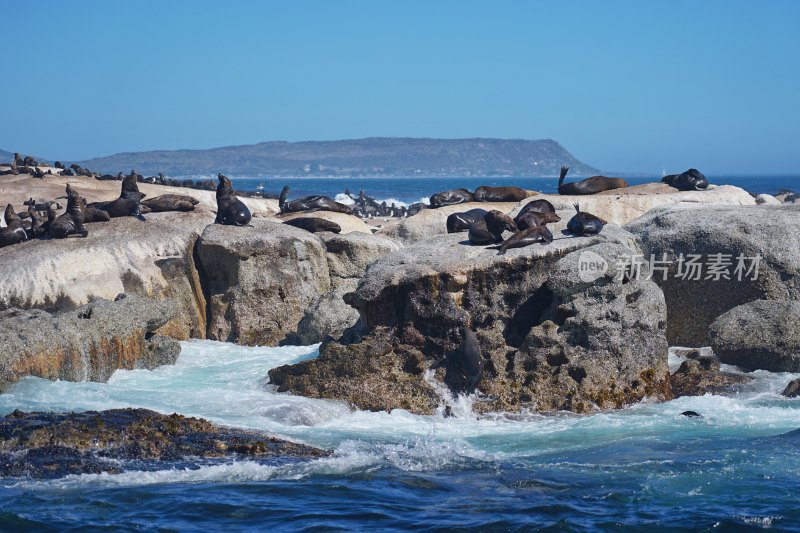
[524, 238]
[230, 210]
[171, 202]
[691, 414]
[500, 194]
[691, 180]
[314, 224]
[464, 365]
[592, 185]
[71, 222]
[311, 203]
[533, 218]
[457, 222]
[584, 223]
[451, 197]
[128, 202]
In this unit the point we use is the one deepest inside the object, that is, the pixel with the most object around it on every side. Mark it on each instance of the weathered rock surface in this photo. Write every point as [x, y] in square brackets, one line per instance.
[792, 390]
[767, 199]
[51, 445]
[153, 259]
[550, 340]
[618, 206]
[759, 335]
[88, 343]
[770, 232]
[702, 375]
[260, 280]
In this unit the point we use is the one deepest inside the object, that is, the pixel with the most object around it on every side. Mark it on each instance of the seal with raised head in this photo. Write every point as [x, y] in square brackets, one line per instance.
[691, 180]
[451, 197]
[489, 230]
[230, 210]
[592, 185]
[310, 203]
[462, 221]
[536, 213]
[71, 222]
[170, 202]
[464, 365]
[127, 205]
[34, 228]
[501, 194]
[314, 224]
[524, 238]
[584, 223]
[14, 232]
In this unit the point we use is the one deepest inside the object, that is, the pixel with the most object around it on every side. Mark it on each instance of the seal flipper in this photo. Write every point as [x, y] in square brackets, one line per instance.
[283, 196]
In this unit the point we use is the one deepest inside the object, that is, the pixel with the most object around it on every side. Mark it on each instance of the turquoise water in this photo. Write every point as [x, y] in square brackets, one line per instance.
[641, 468]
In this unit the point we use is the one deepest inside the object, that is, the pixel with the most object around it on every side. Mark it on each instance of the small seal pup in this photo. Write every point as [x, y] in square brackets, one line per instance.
[592, 185]
[500, 194]
[71, 222]
[170, 202]
[691, 180]
[314, 224]
[457, 222]
[230, 210]
[524, 238]
[310, 203]
[583, 223]
[464, 365]
[451, 197]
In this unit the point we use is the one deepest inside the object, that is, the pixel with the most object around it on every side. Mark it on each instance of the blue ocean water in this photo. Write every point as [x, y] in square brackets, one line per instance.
[410, 190]
[643, 468]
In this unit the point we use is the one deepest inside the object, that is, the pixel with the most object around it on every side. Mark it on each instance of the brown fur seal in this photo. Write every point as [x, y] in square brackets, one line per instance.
[92, 214]
[171, 202]
[526, 237]
[314, 224]
[14, 232]
[592, 185]
[127, 205]
[691, 180]
[490, 229]
[462, 221]
[451, 197]
[310, 203]
[464, 365]
[584, 223]
[230, 210]
[71, 222]
[35, 227]
[500, 194]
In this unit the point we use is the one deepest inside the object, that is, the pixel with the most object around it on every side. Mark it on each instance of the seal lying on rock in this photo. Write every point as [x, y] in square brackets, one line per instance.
[230, 210]
[500, 194]
[128, 202]
[526, 237]
[533, 218]
[462, 221]
[464, 365]
[592, 185]
[490, 229]
[691, 180]
[71, 222]
[584, 223]
[451, 197]
[171, 202]
[310, 203]
[314, 224]
[92, 214]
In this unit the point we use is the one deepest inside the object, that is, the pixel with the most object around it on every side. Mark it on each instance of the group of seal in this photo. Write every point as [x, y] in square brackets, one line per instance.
[482, 194]
[592, 185]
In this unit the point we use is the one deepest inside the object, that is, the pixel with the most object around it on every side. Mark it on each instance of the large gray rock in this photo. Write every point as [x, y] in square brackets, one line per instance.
[770, 232]
[153, 259]
[87, 343]
[552, 336]
[260, 280]
[759, 335]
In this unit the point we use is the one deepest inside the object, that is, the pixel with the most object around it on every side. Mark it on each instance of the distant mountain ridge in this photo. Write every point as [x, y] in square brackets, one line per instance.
[376, 156]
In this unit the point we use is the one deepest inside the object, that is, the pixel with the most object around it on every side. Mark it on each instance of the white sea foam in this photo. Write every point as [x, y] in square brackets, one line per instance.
[228, 384]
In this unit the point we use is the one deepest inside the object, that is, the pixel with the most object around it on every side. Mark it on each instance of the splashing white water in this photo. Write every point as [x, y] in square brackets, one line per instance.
[228, 385]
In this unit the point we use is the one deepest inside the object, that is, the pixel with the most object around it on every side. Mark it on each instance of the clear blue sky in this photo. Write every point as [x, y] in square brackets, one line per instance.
[627, 86]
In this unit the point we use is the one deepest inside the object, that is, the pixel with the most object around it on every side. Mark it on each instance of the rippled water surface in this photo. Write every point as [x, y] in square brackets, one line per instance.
[640, 468]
